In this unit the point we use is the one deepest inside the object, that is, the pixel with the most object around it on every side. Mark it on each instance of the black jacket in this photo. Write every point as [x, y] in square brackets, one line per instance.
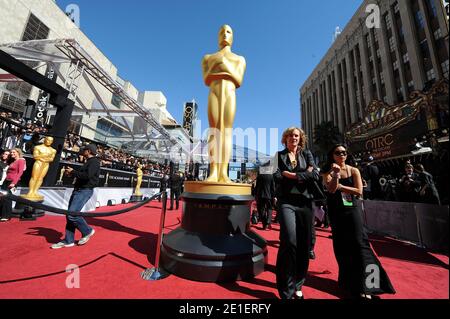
[163, 183]
[88, 175]
[265, 187]
[176, 183]
[431, 193]
[291, 189]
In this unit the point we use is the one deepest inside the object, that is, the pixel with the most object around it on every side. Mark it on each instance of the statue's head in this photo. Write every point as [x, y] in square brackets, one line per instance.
[225, 36]
[48, 141]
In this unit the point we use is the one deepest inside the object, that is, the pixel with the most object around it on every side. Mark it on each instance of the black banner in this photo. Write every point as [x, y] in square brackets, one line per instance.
[43, 101]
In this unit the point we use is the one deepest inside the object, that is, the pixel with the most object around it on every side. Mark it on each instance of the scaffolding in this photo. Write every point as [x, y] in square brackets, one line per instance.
[81, 67]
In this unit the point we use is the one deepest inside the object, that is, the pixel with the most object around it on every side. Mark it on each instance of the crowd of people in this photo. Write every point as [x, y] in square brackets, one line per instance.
[414, 184]
[109, 157]
[17, 132]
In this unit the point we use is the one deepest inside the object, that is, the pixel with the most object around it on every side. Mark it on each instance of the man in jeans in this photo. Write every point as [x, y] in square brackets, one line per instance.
[87, 179]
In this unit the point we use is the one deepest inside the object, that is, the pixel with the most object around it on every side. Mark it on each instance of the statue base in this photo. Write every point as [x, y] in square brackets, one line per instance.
[38, 198]
[27, 213]
[136, 198]
[214, 242]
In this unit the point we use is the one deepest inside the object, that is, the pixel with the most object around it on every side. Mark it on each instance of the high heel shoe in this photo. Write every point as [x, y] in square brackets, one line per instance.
[298, 295]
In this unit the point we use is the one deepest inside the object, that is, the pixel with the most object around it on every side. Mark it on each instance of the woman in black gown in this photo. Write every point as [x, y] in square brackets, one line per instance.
[360, 271]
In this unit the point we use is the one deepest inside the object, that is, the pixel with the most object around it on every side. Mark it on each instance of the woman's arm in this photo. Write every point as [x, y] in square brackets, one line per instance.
[331, 182]
[357, 190]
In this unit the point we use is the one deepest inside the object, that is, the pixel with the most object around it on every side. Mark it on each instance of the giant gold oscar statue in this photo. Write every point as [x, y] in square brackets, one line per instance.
[43, 155]
[223, 73]
[216, 213]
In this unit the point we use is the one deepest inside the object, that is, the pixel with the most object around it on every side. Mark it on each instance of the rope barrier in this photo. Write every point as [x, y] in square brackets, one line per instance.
[73, 213]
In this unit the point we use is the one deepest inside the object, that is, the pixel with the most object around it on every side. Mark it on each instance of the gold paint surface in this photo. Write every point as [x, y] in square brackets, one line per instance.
[43, 155]
[217, 188]
[223, 72]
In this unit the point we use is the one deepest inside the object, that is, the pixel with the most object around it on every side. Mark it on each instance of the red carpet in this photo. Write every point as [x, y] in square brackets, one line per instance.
[123, 246]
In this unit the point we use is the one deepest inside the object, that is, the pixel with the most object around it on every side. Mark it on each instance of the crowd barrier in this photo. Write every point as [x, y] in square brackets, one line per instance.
[422, 224]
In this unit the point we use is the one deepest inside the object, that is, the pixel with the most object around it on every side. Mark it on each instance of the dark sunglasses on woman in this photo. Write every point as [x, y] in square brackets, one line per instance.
[340, 153]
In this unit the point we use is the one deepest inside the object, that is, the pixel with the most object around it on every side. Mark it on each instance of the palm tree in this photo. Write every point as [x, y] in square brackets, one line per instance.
[325, 136]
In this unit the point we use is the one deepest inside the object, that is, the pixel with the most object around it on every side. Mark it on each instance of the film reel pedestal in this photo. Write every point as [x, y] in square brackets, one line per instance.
[214, 242]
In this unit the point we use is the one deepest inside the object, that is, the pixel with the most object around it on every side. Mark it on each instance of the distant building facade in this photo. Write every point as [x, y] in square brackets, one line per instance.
[408, 52]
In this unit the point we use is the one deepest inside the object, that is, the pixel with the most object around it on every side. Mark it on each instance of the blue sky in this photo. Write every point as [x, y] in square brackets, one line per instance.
[159, 45]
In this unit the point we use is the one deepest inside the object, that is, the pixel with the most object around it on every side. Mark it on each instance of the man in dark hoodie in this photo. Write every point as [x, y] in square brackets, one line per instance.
[87, 178]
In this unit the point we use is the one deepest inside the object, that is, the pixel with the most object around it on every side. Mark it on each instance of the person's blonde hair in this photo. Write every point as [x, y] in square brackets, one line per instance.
[19, 151]
[303, 138]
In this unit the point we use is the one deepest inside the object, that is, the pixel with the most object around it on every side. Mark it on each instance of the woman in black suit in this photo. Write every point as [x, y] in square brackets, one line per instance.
[296, 169]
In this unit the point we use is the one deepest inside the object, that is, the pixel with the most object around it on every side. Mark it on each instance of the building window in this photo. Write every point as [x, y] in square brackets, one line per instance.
[432, 8]
[388, 20]
[375, 35]
[431, 75]
[425, 49]
[392, 44]
[401, 32]
[374, 81]
[396, 7]
[35, 29]
[445, 69]
[411, 85]
[405, 57]
[115, 100]
[396, 65]
[420, 20]
[382, 77]
[438, 34]
[385, 99]
[378, 53]
[368, 40]
[12, 103]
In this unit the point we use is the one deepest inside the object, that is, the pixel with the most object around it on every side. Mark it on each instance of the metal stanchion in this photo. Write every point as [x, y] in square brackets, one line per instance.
[157, 273]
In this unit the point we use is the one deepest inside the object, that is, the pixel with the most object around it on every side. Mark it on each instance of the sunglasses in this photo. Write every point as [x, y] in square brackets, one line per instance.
[341, 153]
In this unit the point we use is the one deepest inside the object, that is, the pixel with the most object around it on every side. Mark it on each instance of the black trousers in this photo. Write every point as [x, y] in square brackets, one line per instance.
[174, 195]
[6, 204]
[295, 243]
[264, 207]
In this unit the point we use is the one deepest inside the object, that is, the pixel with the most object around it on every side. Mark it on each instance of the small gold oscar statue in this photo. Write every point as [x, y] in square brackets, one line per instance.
[137, 191]
[61, 175]
[137, 195]
[43, 155]
[106, 180]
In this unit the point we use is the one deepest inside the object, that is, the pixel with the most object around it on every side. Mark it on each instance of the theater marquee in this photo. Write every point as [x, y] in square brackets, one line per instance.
[388, 131]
